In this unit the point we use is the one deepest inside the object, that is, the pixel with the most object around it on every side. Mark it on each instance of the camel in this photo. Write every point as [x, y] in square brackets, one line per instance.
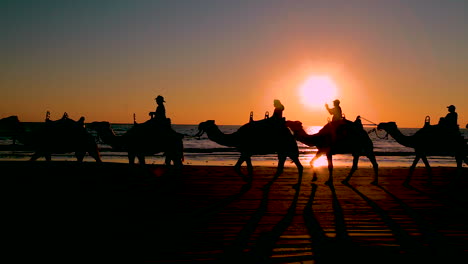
[61, 136]
[143, 139]
[338, 137]
[266, 136]
[430, 140]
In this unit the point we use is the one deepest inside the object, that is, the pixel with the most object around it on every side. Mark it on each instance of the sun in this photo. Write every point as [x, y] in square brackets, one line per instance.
[317, 90]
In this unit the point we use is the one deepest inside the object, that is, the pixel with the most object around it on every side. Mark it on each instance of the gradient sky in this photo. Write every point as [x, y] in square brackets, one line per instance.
[105, 60]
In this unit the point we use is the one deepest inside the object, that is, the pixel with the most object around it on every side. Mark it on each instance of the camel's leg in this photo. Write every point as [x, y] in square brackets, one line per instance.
[95, 154]
[413, 166]
[460, 167]
[314, 173]
[281, 161]
[141, 159]
[79, 156]
[177, 162]
[168, 158]
[330, 169]
[248, 161]
[131, 158]
[375, 165]
[353, 169]
[428, 168]
[177, 158]
[459, 160]
[300, 170]
[35, 156]
[317, 155]
[237, 168]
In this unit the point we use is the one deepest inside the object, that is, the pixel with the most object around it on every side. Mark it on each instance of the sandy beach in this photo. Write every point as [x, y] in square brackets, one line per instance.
[208, 214]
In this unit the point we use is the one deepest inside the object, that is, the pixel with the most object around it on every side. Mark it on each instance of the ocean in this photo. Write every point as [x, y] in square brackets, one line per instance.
[202, 151]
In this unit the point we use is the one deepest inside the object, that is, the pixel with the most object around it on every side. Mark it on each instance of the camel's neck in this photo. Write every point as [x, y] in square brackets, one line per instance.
[302, 136]
[404, 140]
[108, 136]
[216, 135]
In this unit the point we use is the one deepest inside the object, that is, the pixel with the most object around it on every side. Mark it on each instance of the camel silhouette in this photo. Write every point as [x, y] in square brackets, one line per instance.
[430, 140]
[143, 140]
[52, 137]
[338, 137]
[261, 137]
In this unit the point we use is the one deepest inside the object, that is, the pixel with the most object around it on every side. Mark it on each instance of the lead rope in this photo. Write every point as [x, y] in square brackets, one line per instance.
[375, 129]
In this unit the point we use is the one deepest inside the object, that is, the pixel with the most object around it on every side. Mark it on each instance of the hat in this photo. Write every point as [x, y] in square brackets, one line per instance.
[451, 106]
[160, 98]
[336, 101]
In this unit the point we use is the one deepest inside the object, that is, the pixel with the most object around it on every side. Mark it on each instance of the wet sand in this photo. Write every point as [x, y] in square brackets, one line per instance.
[207, 214]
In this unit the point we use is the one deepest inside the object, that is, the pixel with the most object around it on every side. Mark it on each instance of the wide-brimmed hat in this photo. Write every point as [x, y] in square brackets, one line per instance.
[160, 98]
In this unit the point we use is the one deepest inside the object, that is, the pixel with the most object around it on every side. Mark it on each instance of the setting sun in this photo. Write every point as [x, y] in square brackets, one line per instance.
[317, 90]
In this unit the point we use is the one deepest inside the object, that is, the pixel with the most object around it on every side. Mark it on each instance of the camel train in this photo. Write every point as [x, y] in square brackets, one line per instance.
[64, 135]
[272, 135]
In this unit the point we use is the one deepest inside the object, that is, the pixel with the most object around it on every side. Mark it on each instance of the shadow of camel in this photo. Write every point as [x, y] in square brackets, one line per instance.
[409, 247]
[327, 249]
[235, 252]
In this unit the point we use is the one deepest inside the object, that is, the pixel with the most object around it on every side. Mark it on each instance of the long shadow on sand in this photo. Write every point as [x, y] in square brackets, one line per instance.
[437, 245]
[326, 249]
[454, 196]
[176, 234]
[263, 248]
[235, 253]
[408, 245]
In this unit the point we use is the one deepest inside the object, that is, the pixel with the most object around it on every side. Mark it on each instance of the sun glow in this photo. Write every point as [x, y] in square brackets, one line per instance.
[317, 90]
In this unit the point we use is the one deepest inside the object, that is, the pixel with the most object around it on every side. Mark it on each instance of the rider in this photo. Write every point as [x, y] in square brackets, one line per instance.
[451, 119]
[335, 111]
[279, 108]
[160, 113]
[449, 123]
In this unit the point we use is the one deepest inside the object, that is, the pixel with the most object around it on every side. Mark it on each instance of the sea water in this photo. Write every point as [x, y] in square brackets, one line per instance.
[203, 151]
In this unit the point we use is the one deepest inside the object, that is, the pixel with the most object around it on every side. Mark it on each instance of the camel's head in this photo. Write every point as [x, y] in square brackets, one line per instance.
[203, 126]
[9, 120]
[10, 124]
[387, 126]
[294, 125]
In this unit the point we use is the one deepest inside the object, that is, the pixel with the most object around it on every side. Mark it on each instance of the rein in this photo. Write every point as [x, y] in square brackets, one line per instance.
[375, 129]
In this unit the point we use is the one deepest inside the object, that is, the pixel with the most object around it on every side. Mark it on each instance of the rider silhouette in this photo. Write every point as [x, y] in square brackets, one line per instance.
[451, 119]
[160, 113]
[335, 111]
[279, 108]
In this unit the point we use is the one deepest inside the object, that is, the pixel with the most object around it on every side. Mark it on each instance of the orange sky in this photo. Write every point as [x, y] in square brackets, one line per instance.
[221, 60]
